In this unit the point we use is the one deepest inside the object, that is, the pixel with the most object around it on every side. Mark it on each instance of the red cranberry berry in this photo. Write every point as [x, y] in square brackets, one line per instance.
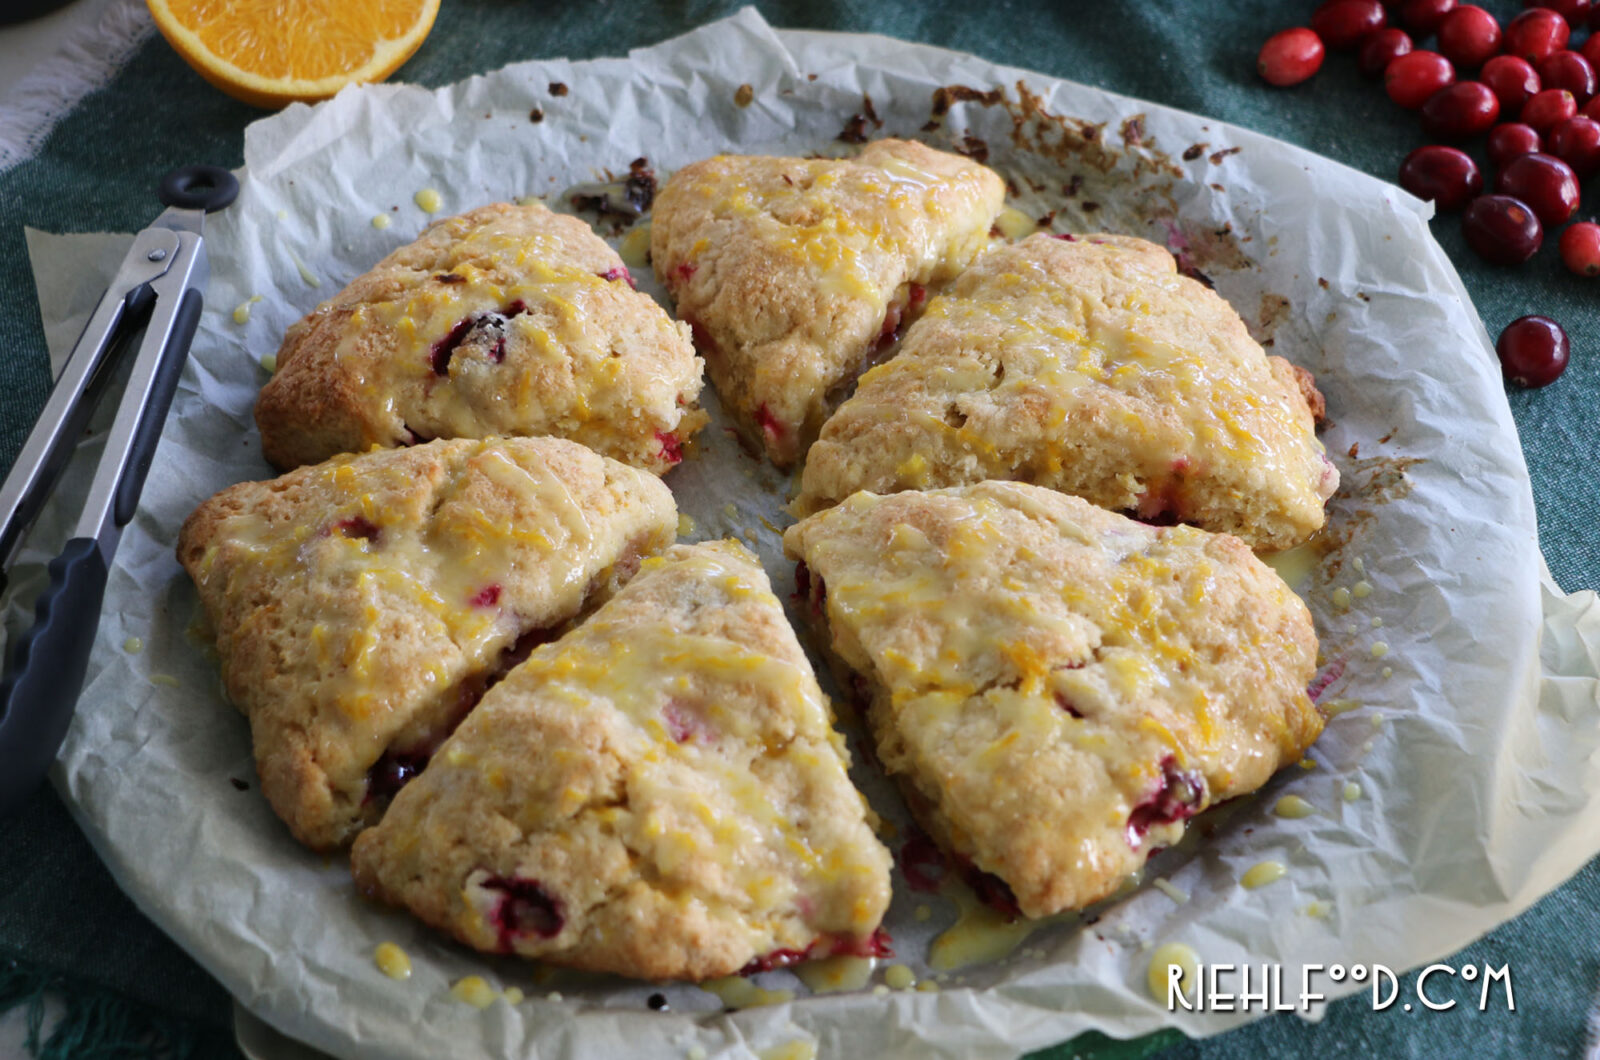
[525, 908]
[779, 958]
[1549, 108]
[770, 425]
[486, 330]
[358, 527]
[1576, 142]
[1503, 230]
[1533, 351]
[1513, 80]
[1443, 175]
[1570, 71]
[922, 864]
[1381, 49]
[1412, 79]
[1545, 183]
[1460, 111]
[1591, 50]
[1290, 57]
[1536, 34]
[1574, 11]
[669, 447]
[996, 893]
[1343, 24]
[1468, 36]
[1591, 109]
[391, 772]
[1580, 248]
[1177, 797]
[1509, 140]
[1422, 17]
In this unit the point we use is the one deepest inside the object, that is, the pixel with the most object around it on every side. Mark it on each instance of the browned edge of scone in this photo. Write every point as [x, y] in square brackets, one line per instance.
[303, 417]
[1315, 402]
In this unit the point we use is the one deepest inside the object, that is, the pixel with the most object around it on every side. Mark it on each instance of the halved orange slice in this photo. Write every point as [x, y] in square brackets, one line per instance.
[274, 52]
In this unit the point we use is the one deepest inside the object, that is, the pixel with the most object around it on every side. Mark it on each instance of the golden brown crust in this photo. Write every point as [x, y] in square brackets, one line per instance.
[659, 794]
[360, 605]
[1092, 367]
[1059, 687]
[507, 320]
[792, 270]
[1306, 383]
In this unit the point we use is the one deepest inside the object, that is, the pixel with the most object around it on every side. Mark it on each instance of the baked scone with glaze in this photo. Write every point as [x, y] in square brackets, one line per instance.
[508, 320]
[1090, 365]
[794, 272]
[362, 606]
[659, 794]
[1056, 687]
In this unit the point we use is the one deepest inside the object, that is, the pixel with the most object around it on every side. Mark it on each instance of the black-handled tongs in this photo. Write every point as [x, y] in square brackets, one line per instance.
[154, 303]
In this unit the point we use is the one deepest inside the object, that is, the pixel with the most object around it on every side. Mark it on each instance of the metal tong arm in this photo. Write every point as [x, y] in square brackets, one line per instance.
[142, 412]
[48, 662]
[66, 412]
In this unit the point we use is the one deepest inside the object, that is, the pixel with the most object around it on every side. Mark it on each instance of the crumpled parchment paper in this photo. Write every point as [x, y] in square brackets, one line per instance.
[1467, 718]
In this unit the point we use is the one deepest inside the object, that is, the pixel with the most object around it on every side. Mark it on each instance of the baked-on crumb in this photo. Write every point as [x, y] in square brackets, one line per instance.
[659, 794]
[1057, 687]
[508, 320]
[361, 606]
[793, 272]
[1089, 365]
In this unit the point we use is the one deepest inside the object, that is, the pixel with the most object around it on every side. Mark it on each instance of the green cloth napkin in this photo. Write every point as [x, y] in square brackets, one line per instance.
[64, 921]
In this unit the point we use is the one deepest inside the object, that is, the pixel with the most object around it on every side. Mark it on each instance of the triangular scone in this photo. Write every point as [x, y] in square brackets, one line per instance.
[659, 794]
[1057, 687]
[361, 606]
[508, 320]
[1091, 366]
[795, 271]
